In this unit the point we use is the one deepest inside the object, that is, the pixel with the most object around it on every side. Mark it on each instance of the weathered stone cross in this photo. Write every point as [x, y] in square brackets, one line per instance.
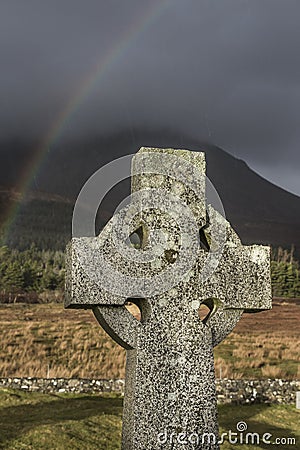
[180, 254]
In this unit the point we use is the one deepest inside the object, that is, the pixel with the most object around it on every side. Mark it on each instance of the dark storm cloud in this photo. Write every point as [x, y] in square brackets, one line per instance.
[225, 71]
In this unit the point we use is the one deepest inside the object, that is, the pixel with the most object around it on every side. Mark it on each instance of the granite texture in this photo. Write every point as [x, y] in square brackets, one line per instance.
[168, 252]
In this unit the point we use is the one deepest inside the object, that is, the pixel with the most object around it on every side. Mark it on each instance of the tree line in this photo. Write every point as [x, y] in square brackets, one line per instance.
[285, 273]
[31, 270]
[37, 271]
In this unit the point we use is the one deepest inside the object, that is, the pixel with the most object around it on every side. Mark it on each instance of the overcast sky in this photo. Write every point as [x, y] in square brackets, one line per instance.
[224, 71]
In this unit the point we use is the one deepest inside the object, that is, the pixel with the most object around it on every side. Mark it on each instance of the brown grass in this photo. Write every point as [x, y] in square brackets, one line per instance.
[41, 340]
[47, 340]
[265, 344]
[271, 371]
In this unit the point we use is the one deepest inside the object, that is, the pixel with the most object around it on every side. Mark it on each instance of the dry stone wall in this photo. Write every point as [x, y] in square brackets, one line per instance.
[228, 391]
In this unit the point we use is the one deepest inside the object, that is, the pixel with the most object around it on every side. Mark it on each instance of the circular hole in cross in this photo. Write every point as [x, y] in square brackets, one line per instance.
[203, 312]
[136, 238]
[139, 307]
[133, 309]
[205, 239]
[208, 308]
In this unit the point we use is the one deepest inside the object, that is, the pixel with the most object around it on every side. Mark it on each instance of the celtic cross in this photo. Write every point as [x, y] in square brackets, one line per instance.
[169, 252]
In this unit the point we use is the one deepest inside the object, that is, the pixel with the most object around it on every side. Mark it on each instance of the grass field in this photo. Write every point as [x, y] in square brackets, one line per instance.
[69, 422]
[47, 340]
[41, 340]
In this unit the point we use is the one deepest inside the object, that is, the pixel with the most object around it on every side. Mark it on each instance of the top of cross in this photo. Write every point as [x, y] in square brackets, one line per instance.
[170, 188]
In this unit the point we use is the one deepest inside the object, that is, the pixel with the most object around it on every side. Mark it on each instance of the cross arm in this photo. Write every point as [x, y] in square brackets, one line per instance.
[242, 279]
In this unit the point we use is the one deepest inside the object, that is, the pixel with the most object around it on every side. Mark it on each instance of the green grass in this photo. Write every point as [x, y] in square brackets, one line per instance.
[69, 422]
[64, 421]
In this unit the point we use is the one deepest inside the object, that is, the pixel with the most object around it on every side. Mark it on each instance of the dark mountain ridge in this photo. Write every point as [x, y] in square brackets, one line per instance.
[260, 211]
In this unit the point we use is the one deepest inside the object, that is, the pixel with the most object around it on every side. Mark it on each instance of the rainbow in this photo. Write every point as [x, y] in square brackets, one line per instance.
[140, 25]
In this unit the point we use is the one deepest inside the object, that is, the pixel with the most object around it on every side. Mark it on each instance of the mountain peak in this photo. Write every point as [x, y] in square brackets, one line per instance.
[260, 211]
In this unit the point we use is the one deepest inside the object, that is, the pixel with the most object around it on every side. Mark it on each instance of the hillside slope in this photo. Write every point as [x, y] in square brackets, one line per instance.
[260, 211]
